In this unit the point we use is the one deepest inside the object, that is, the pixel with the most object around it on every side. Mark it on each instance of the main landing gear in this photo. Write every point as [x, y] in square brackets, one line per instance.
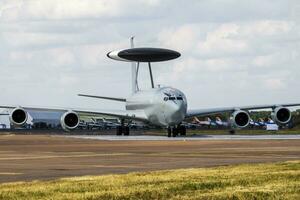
[176, 131]
[123, 129]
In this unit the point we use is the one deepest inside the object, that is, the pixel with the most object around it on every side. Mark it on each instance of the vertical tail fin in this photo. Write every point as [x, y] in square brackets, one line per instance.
[133, 70]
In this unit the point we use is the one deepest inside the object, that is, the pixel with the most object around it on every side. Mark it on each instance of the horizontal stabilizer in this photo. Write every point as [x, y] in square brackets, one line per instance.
[101, 97]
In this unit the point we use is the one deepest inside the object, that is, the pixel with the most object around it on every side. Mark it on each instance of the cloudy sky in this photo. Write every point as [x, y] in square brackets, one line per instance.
[233, 52]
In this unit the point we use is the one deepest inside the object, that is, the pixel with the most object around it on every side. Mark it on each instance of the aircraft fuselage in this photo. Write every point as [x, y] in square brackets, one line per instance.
[163, 106]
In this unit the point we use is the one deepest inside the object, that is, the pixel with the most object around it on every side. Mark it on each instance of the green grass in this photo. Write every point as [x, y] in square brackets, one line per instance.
[254, 181]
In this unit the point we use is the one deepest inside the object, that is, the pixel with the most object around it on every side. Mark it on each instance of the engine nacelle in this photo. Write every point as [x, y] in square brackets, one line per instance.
[18, 116]
[239, 119]
[281, 115]
[69, 120]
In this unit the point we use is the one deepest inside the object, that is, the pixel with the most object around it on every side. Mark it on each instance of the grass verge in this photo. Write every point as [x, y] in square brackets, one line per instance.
[248, 181]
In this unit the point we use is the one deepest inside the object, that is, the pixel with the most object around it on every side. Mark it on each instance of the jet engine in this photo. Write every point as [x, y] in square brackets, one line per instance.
[69, 120]
[18, 116]
[240, 119]
[281, 115]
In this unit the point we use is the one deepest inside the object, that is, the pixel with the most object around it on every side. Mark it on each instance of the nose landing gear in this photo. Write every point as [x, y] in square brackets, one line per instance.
[175, 131]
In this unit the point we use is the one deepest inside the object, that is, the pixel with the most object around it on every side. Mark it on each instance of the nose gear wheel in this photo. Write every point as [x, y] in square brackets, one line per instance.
[177, 131]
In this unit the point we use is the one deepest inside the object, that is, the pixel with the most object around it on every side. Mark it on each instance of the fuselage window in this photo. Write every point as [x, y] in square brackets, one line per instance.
[172, 98]
[179, 98]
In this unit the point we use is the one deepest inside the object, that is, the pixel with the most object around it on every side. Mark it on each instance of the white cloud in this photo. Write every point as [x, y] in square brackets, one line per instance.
[55, 9]
[72, 9]
[224, 39]
[232, 51]
[274, 84]
[182, 38]
[268, 28]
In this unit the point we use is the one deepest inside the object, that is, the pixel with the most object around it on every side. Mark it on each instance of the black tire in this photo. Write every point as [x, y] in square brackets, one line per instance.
[183, 131]
[119, 130]
[174, 132]
[169, 132]
[126, 131]
[232, 132]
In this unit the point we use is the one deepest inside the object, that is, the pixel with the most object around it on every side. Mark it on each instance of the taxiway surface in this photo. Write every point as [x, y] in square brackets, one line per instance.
[44, 157]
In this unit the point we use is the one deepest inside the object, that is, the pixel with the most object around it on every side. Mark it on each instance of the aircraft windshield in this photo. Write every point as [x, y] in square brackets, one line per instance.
[173, 98]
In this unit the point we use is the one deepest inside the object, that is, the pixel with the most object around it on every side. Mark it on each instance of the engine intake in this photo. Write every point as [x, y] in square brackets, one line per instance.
[69, 120]
[281, 115]
[18, 116]
[240, 119]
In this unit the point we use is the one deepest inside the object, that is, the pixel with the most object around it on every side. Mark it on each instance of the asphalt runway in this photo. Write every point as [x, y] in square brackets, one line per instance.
[46, 157]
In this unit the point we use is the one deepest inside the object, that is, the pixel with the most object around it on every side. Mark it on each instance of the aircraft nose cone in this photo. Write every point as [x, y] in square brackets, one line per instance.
[174, 107]
[177, 113]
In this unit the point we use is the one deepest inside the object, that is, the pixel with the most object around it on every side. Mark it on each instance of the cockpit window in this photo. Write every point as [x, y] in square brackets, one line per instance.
[180, 98]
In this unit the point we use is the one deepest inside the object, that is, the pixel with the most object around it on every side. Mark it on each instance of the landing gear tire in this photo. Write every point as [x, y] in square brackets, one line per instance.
[232, 132]
[126, 131]
[169, 132]
[122, 130]
[174, 132]
[182, 130]
[119, 130]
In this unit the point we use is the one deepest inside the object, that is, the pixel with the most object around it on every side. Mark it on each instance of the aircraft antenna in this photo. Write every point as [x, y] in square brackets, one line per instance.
[133, 71]
[151, 76]
[137, 75]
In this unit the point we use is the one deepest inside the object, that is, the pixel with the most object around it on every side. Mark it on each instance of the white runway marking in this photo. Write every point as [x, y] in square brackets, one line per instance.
[202, 137]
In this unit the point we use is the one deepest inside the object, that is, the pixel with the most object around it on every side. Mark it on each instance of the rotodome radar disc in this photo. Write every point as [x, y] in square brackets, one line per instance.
[144, 55]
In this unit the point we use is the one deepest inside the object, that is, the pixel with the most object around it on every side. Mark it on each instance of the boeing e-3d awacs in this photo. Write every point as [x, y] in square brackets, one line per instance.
[160, 106]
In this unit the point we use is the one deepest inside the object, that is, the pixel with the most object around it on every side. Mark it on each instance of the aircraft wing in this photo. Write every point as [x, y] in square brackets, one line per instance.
[135, 115]
[209, 111]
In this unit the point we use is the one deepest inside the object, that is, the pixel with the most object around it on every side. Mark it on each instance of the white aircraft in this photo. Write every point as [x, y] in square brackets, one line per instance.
[160, 106]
